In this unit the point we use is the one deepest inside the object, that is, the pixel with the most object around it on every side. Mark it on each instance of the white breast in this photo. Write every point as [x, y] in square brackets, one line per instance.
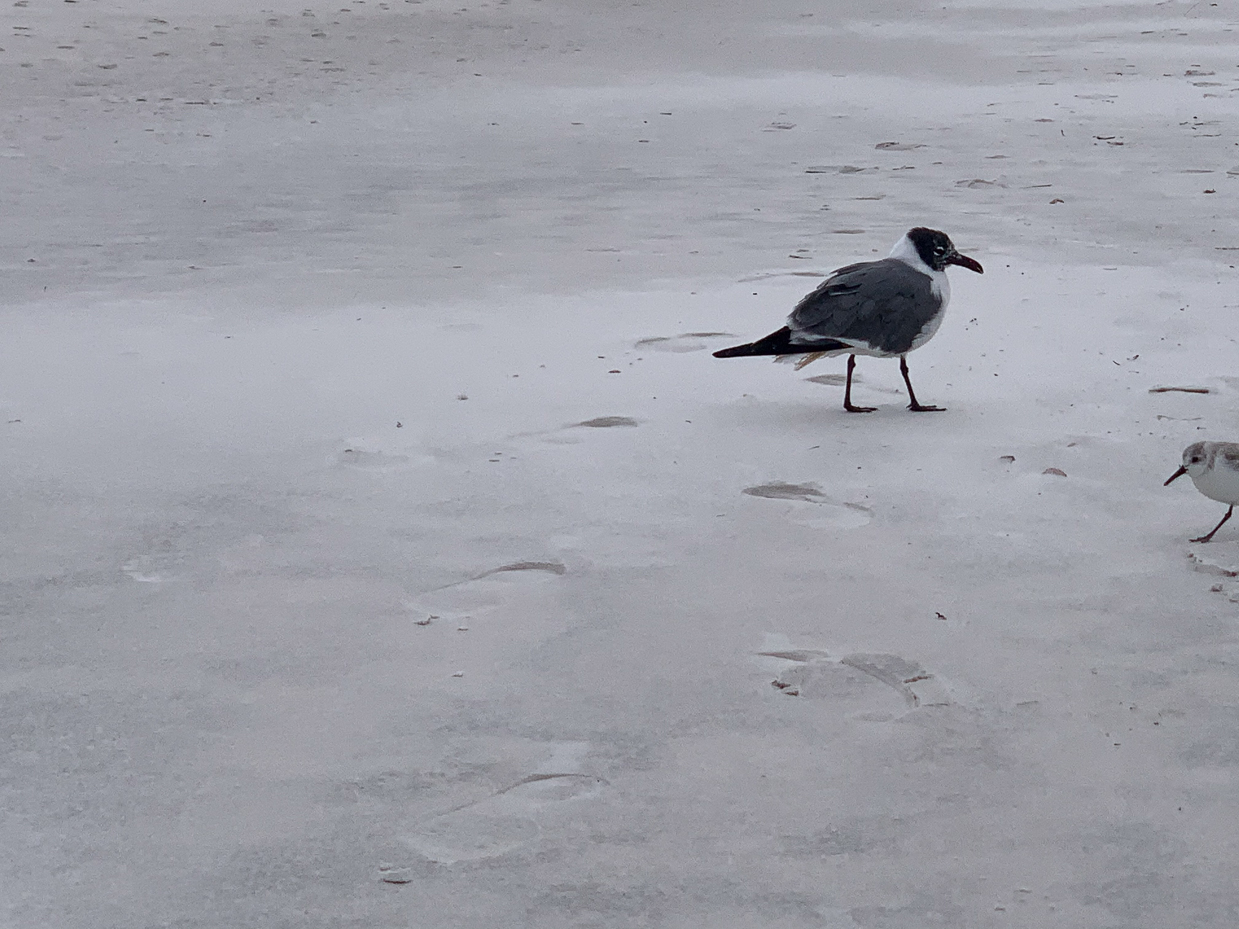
[1219, 482]
[939, 286]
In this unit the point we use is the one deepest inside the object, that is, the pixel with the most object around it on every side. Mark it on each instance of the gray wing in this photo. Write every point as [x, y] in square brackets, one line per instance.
[1229, 453]
[884, 304]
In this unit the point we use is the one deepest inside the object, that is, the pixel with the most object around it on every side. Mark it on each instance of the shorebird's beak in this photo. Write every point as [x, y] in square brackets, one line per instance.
[1178, 474]
[955, 258]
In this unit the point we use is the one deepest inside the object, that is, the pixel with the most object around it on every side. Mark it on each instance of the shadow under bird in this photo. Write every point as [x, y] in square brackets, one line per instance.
[882, 308]
[1214, 469]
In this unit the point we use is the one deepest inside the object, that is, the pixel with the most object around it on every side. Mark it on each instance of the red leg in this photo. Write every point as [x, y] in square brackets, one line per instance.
[847, 392]
[1206, 538]
[914, 406]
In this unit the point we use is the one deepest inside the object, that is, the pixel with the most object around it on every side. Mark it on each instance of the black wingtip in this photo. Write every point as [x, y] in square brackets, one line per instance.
[777, 343]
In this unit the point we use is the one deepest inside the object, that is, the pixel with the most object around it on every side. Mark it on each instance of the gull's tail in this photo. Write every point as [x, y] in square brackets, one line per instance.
[780, 343]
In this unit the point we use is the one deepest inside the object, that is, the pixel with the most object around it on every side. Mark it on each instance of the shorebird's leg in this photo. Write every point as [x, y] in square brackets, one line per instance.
[847, 392]
[1206, 538]
[914, 406]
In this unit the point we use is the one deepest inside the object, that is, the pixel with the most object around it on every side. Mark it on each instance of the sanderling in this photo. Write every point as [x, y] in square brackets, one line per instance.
[882, 308]
[1214, 469]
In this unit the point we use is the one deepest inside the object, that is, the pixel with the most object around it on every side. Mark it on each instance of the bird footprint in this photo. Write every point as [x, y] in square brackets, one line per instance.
[685, 342]
[825, 512]
[861, 685]
[503, 822]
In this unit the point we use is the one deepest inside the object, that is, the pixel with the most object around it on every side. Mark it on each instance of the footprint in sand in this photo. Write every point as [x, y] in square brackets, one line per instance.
[372, 461]
[482, 592]
[571, 433]
[685, 342]
[147, 569]
[780, 490]
[840, 380]
[557, 568]
[825, 513]
[863, 686]
[607, 422]
[1221, 560]
[505, 821]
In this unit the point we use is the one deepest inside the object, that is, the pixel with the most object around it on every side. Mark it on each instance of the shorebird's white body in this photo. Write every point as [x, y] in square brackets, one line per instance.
[1216, 472]
[1214, 469]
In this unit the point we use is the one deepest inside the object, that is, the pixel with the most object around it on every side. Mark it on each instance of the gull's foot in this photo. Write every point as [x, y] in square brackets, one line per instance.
[1203, 538]
[858, 409]
[921, 408]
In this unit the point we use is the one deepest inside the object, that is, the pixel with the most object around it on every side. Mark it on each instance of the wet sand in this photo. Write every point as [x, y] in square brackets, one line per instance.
[383, 547]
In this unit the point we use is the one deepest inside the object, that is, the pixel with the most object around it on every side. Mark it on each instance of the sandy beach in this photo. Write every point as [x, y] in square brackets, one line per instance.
[381, 546]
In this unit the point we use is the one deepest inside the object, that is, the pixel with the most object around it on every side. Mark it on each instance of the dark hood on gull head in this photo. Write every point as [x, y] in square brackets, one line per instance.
[937, 250]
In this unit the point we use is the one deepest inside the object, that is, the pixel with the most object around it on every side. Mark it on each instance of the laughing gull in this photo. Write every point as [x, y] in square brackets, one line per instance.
[1214, 469]
[882, 308]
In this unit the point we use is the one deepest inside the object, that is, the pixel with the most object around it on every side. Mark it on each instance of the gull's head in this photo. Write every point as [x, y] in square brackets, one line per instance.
[1195, 462]
[937, 250]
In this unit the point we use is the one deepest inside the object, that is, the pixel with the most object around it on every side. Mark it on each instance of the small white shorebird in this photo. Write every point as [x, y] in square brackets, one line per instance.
[883, 308]
[1214, 469]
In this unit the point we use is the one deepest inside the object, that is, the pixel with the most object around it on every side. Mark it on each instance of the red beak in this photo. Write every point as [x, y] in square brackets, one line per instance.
[1175, 476]
[965, 262]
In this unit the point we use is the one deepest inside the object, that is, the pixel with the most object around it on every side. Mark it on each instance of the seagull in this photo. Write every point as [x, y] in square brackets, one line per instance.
[1214, 469]
[882, 308]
